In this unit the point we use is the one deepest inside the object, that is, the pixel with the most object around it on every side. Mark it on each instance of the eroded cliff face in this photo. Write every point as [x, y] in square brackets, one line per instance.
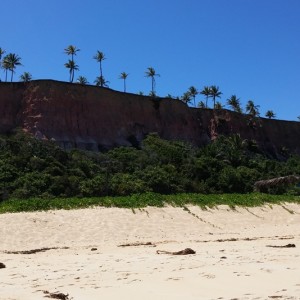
[94, 118]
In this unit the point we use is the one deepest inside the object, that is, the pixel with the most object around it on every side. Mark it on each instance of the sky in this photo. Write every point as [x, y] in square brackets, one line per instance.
[248, 48]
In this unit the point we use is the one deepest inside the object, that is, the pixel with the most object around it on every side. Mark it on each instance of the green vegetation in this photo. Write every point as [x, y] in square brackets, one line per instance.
[30, 168]
[143, 200]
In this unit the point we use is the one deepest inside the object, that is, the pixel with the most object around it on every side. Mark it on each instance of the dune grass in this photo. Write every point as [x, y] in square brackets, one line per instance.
[143, 200]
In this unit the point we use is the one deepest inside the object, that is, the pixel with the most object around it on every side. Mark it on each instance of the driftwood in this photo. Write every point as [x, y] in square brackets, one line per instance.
[33, 251]
[284, 246]
[182, 252]
[274, 182]
[137, 244]
[57, 295]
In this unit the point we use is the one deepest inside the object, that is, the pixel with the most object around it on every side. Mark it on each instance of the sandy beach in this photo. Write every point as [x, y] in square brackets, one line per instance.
[240, 254]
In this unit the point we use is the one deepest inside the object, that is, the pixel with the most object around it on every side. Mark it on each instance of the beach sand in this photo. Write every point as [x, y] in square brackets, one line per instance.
[82, 256]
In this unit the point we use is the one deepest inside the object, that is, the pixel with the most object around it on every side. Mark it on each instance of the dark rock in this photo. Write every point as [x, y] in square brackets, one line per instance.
[2, 265]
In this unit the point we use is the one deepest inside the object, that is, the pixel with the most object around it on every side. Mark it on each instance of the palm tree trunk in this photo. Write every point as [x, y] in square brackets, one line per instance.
[101, 77]
[5, 75]
[152, 84]
[12, 75]
[124, 85]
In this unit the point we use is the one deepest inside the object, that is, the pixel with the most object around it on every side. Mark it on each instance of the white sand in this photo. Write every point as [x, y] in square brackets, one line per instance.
[221, 269]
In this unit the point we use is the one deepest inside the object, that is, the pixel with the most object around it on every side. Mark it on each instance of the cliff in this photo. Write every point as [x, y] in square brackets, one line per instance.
[94, 118]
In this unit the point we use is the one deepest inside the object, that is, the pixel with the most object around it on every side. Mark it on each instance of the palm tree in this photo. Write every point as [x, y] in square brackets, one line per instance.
[235, 104]
[151, 73]
[72, 67]
[10, 62]
[218, 105]
[99, 57]
[2, 51]
[186, 97]
[201, 104]
[270, 114]
[124, 76]
[193, 92]
[214, 93]
[5, 66]
[25, 77]
[71, 50]
[206, 93]
[152, 94]
[82, 80]
[252, 109]
[100, 81]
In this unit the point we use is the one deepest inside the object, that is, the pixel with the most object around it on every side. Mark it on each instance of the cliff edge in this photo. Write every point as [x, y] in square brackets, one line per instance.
[94, 118]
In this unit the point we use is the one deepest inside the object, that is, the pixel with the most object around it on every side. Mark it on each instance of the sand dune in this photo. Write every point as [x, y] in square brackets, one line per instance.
[78, 253]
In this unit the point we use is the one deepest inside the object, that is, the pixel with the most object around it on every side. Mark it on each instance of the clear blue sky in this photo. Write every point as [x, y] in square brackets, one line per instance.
[250, 48]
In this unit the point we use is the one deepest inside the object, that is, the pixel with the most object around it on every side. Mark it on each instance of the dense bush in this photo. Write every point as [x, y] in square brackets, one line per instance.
[29, 167]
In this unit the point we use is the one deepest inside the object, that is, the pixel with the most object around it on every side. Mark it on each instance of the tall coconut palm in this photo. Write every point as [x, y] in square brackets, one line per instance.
[270, 114]
[151, 73]
[215, 93]
[72, 68]
[252, 109]
[26, 77]
[2, 51]
[71, 50]
[193, 92]
[234, 103]
[82, 80]
[124, 76]
[206, 93]
[99, 57]
[100, 81]
[5, 66]
[10, 62]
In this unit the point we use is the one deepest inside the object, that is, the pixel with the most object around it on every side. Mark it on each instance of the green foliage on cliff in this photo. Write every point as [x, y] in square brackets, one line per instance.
[32, 168]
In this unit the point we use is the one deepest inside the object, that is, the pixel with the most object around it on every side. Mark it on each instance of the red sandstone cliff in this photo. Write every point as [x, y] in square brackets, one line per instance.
[94, 118]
